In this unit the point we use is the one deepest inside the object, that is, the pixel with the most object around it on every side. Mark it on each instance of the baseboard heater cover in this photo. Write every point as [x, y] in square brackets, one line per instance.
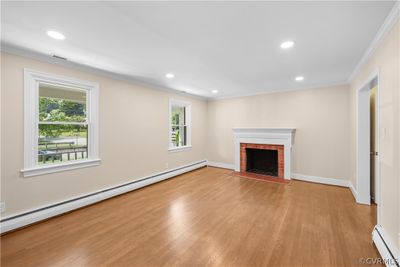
[384, 246]
[26, 218]
[221, 165]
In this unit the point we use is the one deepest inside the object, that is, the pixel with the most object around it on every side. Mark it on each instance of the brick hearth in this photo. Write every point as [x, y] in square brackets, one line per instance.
[279, 148]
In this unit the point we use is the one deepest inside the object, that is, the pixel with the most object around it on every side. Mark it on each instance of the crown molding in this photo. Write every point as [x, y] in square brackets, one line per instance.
[19, 51]
[389, 22]
[297, 89]
[387, 25]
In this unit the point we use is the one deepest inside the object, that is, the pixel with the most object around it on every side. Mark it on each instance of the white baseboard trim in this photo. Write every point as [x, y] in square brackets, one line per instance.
[297, 176]
[320, 180]
[19, 220]
[221, 165]
[385, 246]
[353, 190]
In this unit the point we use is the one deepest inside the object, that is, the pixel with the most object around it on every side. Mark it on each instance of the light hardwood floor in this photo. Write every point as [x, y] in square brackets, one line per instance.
[204, 218]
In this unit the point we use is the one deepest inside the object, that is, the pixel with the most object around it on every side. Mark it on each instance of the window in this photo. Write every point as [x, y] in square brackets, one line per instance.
[180, 130]
[61, 124]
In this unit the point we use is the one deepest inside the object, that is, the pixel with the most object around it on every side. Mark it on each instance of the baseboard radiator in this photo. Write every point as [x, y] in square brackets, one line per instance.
[42, 213]
[384, 247]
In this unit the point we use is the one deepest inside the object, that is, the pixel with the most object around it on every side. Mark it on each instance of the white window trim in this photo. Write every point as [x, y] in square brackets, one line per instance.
[188, 123]
[31, 119]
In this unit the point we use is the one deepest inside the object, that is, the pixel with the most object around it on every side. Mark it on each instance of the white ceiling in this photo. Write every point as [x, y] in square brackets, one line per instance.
[233, 47]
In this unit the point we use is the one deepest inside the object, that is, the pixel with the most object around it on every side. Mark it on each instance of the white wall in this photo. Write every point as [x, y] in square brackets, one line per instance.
[386, 60]
[133, 138]
[319, 115]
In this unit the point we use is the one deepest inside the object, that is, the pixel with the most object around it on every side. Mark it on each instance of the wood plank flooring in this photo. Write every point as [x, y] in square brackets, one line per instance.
[207, 217]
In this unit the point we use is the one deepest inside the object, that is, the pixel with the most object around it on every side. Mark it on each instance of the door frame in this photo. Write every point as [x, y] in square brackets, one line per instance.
[363, 142]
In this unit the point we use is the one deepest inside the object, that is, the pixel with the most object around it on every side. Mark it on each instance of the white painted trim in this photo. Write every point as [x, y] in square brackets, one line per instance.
[363, 142]
[19, 51]
[263, 131]
[378, 146]
[297, 176]
[387, 25]
[24, 52]
[353, 190]
[221, 165]
[52, 168]
[31, 216]
[320, 180]
[188, 124]
[385, 246]
[31, 98]
[271, 136]
[181, 148]
[363, 146]
[283, 90]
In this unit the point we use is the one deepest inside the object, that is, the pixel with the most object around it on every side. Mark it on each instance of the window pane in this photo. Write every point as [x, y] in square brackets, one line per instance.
[178, 137]
[61, 104]
[60, 143]
[178, 115]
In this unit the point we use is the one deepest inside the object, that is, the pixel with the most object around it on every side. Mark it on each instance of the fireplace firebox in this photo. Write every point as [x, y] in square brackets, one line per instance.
[262, 161]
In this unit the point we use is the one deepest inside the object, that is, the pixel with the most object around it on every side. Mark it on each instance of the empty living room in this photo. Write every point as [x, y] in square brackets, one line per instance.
[200, 133]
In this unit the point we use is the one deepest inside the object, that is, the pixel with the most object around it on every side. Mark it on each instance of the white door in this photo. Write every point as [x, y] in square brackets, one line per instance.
[373, 144]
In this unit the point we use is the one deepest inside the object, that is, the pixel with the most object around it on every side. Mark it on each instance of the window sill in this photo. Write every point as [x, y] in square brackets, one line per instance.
[180, 148]
[41, 170]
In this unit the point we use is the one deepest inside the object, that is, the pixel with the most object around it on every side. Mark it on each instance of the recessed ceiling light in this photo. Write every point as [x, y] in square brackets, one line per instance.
[214, 91]
[299, 78]
[287, 44]
[56, 35]
[170, 75]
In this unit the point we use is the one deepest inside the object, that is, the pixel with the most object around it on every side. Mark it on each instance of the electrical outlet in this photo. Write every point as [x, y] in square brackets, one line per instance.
[2, 206]
[166, 165]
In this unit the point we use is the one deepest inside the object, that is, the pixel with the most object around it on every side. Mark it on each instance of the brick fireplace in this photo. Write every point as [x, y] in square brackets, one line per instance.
[262, 159]
[265, 152]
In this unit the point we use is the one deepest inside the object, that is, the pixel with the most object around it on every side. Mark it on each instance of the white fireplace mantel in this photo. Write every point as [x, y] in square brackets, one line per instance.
[271, 136]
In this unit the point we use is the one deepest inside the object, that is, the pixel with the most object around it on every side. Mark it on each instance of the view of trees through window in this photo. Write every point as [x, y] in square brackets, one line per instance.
[63, 130]
[179, 127]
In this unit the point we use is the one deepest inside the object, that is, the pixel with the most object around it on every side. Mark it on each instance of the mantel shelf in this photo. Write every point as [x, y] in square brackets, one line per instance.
[264, 130]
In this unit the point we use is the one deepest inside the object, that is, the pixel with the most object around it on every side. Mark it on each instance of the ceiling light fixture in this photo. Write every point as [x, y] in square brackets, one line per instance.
[287, 44]
[170, 75]
[299, 78]
[56, 35]
[214, 91]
